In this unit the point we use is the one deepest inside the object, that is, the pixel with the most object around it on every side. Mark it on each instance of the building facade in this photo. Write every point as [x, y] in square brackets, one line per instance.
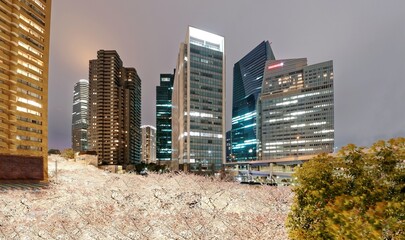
[228, 152]
[115, 110]
[80, 116]
[24, 53]
[296, 109]
[247, 83]
[198, 116]
[132, 114]
[148, 147]
[164, 117]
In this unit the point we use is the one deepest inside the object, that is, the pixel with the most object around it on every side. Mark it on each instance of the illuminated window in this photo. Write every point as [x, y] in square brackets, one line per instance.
[30, 102]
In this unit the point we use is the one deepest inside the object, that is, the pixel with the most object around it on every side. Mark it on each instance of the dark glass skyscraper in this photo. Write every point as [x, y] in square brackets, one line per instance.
[247, 83]
[164, 117]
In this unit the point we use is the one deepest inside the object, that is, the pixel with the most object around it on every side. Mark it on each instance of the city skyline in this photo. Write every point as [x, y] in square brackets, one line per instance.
[368, 89]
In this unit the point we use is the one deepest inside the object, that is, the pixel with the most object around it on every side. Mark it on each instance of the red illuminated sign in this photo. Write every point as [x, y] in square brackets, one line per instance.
[276, 65]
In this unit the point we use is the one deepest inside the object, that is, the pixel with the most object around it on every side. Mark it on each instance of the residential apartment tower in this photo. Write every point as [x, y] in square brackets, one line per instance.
[115, 110]
[24, 58]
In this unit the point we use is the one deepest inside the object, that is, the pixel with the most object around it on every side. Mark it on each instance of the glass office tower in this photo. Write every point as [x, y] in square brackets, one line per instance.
[296, 109]
[247, 83]
[164, 117]
[80, 119]
[198, 116]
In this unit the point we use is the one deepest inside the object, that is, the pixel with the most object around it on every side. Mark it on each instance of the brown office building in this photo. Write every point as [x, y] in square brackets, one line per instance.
[24, 57]
[114, 110]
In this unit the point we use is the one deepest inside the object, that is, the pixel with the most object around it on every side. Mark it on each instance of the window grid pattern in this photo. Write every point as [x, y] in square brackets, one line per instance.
[297, 117]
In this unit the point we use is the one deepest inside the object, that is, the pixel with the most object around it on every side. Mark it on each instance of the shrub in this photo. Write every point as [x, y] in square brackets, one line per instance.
[68, 153]
[53, 151]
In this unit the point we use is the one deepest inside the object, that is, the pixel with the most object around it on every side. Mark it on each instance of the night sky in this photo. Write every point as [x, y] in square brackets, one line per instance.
[365, 39]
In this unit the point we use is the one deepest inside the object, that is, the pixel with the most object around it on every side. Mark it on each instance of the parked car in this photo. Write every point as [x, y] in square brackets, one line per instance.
[144, 172]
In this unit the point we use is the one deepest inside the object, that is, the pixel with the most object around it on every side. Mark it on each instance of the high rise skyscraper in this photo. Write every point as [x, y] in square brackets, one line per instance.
[296, 109]
[115, 110]
[24, 53]
[198, 115]
[132, 114]
[164, 117]
[148, 149]
[247, 83]
[80, 116]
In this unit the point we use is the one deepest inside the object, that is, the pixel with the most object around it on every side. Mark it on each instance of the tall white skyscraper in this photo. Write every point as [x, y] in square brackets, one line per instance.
[198, 116]
[80, 119]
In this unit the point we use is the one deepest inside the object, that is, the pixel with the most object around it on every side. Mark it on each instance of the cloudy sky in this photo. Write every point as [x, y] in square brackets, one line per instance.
[365, 39]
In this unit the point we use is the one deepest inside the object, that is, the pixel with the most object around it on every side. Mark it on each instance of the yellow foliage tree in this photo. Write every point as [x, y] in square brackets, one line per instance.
[68, 153]
[359, 194]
